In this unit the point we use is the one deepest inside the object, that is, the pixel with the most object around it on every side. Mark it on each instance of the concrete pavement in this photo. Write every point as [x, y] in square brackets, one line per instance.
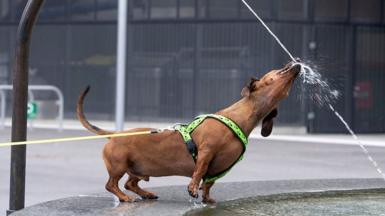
[67, 169]
[361, 196]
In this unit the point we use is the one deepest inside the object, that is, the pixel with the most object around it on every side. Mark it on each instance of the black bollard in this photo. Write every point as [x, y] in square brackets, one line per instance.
[20, 99]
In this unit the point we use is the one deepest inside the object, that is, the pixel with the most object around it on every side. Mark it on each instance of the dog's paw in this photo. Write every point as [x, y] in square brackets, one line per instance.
[150, 196]
[193, 190]
[126, 199]
[208, 200]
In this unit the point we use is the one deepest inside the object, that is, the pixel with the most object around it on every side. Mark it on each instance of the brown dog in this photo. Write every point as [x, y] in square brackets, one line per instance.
[165, 153]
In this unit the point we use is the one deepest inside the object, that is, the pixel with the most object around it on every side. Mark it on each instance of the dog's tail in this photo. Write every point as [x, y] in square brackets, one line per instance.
[82, 117]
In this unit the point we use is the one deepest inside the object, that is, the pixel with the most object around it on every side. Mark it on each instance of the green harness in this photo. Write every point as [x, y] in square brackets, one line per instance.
[186, 130]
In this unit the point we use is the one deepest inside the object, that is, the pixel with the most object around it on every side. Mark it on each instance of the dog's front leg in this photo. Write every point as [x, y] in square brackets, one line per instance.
[202, 163]
[206, 192]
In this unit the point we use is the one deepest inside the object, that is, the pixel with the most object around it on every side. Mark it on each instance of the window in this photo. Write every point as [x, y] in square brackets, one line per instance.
[262, 7]
[186, 8]
[53, 10]
[107, 9]
[140, 9]
[331, 10]
[202, 8]
[223, 9]
[48, 56]
[293, 9]
[383, 11]
[82, 10]
[371, 48]
[91, 53]
[163, 9]
[50, 11]
[5, 12]
[369, 79]
[368, 10]
[5, 53]
[17, 8]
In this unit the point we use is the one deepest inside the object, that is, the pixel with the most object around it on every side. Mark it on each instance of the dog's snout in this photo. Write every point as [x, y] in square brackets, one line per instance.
[297, 67]
[294, 62]
[291, 67]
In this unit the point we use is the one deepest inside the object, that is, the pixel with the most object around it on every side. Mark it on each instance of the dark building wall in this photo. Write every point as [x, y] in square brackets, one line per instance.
[187, 57]
[73, 46]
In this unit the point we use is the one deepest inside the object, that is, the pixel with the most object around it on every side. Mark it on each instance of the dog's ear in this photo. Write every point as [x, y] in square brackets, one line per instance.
[249, 88]
[267, 123]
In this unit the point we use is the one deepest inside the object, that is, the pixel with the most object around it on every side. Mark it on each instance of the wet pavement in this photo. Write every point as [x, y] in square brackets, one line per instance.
[175, 201]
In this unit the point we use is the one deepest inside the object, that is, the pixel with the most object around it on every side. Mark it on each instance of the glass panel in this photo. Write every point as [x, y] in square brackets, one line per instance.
[368, 10]
[383, 11]
[163, 9]
[333, 51]
[223, 9]
[331, 9]
[140, 9]
[5, 12]
[369, 85]
[186, 8]
[82, 10]
[48, 58]
[202, 8]
[17, 8]
[161, 56]
[294, 9]
[53, 10]
[107, 9]
[91, 60]
[5, 54]
[262, 7]
[220, 74]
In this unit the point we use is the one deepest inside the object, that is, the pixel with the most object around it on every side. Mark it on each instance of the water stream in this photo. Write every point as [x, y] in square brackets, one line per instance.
[364, 149]
[319, 90]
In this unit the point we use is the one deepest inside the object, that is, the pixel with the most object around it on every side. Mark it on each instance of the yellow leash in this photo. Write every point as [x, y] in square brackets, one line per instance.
[77, 138]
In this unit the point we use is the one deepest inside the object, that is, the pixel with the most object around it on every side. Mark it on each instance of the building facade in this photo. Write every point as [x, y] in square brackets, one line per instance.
[186, 57]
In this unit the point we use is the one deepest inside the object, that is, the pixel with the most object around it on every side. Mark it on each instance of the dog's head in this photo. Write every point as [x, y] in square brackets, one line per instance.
[268, 91]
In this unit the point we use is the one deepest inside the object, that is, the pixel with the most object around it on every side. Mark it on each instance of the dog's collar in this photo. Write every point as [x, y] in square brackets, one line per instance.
[186, 130]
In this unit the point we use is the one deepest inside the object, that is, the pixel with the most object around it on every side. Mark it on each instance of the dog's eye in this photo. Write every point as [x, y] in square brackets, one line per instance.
[269, 81]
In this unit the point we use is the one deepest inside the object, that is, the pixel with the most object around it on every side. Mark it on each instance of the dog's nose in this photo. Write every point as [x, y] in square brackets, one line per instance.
[296, 68]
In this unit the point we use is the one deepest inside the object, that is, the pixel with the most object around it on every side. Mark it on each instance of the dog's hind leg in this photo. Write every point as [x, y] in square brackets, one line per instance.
[132, 185]
[206, 192]
[112, 184]
[113, 187]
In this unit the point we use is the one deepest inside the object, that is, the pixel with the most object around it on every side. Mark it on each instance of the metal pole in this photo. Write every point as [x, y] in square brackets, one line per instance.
[20, 97]
[197, 54]
[121, 65]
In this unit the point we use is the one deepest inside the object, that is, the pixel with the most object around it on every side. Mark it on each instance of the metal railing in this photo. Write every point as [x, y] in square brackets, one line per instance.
[31, 88]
